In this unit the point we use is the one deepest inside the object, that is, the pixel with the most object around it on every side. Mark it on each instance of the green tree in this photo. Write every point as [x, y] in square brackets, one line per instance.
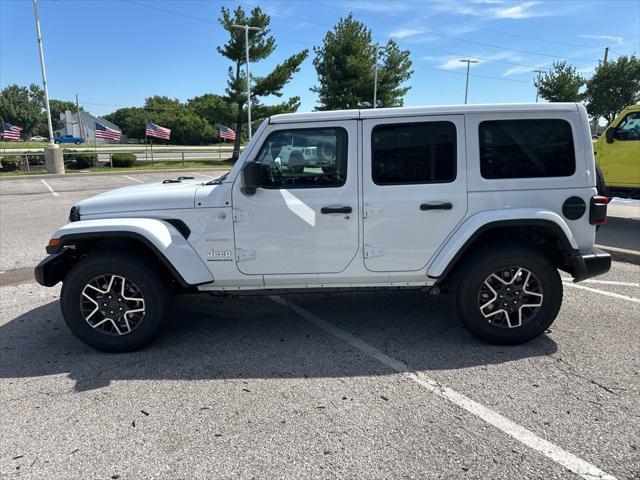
[213, 108]
[131, 120]
[261, 45]
[187, 127]
[58, 107]
[561, 84]
[614, 86]
[23, 106]
[345, 65]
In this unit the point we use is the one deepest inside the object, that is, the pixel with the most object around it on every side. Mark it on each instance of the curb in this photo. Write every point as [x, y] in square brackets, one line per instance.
[621, 254]
[7, 178]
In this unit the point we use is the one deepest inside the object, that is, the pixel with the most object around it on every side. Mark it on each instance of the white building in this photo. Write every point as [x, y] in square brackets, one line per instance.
[85, 128]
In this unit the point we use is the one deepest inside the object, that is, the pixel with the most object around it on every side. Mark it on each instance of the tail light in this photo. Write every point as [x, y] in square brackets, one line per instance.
[598, 210]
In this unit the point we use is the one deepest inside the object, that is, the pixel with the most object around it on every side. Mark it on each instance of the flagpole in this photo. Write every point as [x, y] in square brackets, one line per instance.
[146, 143]
[152, 152]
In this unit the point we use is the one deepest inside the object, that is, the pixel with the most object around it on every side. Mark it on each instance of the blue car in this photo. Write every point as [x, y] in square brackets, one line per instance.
[69, 139]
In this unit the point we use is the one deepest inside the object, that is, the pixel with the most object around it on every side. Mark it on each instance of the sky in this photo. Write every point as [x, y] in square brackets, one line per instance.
[114, 53]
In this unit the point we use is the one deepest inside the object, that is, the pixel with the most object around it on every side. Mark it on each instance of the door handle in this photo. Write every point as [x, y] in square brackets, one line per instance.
[326, 210]
[436, 206]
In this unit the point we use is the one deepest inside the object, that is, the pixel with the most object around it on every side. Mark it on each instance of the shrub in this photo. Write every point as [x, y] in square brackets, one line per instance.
[81, 160]
[11, 163]
[123, 160]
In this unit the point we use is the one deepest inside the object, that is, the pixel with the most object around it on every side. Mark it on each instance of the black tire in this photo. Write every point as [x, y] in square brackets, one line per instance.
[77, 142]
[157, 294]
[479, 266]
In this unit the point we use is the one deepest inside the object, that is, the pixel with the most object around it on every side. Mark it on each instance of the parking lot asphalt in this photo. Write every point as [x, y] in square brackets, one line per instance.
[358, 385]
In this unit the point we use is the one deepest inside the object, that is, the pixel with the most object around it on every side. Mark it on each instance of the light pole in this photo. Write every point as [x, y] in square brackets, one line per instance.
[539, 72]
[52, 154]
[468, 61]
[376, 47]
[246, 41]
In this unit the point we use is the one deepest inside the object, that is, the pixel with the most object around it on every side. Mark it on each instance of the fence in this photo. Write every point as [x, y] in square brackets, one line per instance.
[33, 162]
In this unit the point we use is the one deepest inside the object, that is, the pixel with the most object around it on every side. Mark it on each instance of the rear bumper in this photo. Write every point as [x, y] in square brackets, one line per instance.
[53, 268]
[587, 265]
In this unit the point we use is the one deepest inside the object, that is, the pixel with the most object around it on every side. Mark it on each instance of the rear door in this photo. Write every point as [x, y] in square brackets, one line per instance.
[414, 188]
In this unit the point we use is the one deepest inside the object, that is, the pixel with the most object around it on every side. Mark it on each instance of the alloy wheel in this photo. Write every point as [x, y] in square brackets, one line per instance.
[510, 297]
[112, 305]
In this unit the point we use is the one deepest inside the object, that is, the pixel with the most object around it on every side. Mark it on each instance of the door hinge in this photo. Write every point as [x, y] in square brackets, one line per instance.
[370, 251]
[240, 215]
[244, 255]
[370, 211]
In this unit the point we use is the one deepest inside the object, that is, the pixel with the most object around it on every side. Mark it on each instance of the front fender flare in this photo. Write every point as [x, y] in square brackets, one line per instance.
[161, 237]
[475, 225]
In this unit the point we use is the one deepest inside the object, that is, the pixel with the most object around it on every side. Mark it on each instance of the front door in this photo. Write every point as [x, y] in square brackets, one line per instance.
[620, 161]
[414, 188]
[304, 219]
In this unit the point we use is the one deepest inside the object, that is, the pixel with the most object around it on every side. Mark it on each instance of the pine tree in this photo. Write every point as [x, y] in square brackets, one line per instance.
[261, 45]
[345, 65]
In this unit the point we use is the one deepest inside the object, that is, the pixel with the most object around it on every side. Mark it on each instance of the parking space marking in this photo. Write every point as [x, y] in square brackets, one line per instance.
[612, 282]
[602, 292]
[54, 193]
[518, 432]
[200, 174]
[131, 178]
[604, 282]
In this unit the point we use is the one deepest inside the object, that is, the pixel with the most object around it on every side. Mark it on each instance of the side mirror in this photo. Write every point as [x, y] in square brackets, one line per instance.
[251, 177]
[610, 134]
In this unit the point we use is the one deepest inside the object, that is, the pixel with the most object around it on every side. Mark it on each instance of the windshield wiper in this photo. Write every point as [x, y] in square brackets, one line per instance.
[217, 181]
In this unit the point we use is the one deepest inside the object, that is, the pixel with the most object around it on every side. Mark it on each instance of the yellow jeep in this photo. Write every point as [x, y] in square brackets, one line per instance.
[617, 154]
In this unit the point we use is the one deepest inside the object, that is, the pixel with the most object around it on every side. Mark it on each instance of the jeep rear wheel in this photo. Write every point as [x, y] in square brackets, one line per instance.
[509, 296]
[115, 303]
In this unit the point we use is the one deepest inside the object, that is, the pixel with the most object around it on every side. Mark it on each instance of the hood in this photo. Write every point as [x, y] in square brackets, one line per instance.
[151, 196]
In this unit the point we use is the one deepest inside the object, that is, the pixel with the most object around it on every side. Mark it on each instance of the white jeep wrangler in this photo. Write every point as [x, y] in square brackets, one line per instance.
[486, 202]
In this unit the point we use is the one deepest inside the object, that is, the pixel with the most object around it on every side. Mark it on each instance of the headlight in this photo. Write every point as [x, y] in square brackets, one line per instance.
[74, 214]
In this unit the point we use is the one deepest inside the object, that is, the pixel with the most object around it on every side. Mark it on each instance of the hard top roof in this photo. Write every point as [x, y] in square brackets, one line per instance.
[414, 111]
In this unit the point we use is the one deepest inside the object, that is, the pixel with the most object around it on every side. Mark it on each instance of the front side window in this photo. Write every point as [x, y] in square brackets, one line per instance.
[304, 158]
[629, 128]
[413, 153]
[526, 149]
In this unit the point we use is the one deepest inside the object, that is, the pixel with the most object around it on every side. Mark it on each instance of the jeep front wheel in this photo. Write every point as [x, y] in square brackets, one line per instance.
[115, 303]
[509, 296]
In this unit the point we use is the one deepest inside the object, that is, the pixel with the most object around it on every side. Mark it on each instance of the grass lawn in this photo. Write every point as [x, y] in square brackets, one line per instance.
[159, 165]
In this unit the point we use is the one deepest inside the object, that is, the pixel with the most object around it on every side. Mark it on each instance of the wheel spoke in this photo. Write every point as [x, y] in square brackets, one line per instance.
[106, 302]
[513, 295]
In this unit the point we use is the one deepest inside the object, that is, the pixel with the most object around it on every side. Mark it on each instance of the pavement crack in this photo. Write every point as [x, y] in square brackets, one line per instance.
[570, 370]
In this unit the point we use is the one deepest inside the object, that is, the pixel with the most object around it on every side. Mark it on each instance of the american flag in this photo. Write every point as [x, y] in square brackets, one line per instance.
[157, 131]
[106, 132]
[226, 133]
[11, 132]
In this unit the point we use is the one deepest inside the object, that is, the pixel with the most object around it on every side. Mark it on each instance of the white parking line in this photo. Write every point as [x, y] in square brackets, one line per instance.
[605, 282]
[602, 292]
[200, 174]
[55, 194]
[131, 178]
[562, 457]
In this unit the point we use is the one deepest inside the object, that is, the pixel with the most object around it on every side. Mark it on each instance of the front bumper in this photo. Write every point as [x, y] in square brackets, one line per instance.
[587, 265]
[53, 268]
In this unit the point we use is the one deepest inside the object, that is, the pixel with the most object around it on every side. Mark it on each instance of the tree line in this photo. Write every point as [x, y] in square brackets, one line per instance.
[345, 64]
[613, 86]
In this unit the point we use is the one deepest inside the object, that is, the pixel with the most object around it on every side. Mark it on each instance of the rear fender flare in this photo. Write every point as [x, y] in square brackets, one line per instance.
[456, 245]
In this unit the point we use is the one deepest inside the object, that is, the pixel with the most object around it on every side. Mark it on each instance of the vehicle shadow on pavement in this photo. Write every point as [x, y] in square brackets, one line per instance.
[254, 337]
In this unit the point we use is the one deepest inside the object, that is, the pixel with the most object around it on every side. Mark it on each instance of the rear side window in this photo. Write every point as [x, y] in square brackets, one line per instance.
[413, 153]
[526, 149]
